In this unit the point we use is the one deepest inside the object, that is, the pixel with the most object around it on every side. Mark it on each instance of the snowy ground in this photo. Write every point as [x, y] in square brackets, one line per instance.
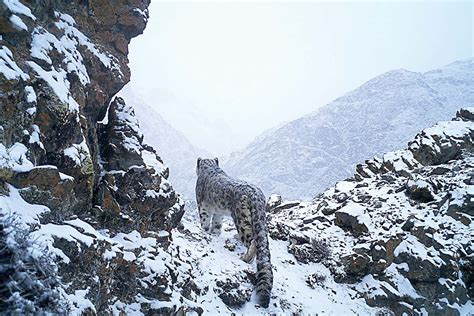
[290, 293]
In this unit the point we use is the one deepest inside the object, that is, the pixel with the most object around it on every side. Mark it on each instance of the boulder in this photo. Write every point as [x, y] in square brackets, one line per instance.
[420, 190]
[353, 217]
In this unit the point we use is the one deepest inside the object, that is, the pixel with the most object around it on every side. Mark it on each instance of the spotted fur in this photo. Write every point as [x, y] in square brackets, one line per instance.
[218, 195]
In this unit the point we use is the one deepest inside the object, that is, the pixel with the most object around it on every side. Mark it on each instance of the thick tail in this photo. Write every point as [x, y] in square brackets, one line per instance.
[264, 266]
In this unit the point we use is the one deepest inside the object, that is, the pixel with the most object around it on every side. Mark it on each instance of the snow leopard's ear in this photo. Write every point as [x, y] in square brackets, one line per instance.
[217, 161]
[198, 162]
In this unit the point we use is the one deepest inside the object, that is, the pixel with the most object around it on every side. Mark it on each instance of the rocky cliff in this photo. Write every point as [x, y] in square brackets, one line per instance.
[178, 152]
[83, 196]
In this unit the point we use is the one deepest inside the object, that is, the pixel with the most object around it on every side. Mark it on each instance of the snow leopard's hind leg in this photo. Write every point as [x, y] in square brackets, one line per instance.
[216, 224]
[243, 223]
[205, 218]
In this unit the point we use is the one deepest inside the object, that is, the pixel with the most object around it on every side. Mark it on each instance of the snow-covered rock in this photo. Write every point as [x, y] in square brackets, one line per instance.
[86, 207]
[180, 155]
[305, 156]
[402, 236]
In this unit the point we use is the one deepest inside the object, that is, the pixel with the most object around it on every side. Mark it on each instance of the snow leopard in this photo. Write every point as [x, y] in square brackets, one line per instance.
[218, 195]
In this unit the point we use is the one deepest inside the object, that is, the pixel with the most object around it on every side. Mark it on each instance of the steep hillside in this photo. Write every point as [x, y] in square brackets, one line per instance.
[394, 239]
[180, 155]
[307, 155]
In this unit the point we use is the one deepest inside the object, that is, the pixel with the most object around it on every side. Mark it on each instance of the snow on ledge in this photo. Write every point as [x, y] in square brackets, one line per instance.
[16, 6]
[15, 158]
[14, 204]
[78, 152]
[8, 67]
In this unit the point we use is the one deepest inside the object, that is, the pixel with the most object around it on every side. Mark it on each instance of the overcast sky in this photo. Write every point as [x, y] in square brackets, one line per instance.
[222, 73]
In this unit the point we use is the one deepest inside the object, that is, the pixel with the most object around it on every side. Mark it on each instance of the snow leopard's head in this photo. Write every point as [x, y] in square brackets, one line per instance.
[206, 163]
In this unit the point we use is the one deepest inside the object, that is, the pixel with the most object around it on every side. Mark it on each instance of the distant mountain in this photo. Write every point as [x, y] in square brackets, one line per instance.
[305, 156]
[175, 149]
[194, 121]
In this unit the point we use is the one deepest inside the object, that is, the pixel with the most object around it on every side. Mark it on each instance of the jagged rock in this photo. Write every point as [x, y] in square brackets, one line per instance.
[378, 252]
[408, 225]
[425, 269]
[408, 247]
[284, 206]
[314, 280]
[231, 292]
[306, 251]
[467, 268]
[341, 197]
[94, 194]
[136, 179]
[433, 148]
[56, 121]
[46, 185]
[273, 201]
[278, 231]
[325, 208]
[465, 114]
[439, 171]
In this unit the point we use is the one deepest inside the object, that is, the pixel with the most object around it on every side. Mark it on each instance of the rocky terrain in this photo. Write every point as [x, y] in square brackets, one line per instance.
[86, 208]
[90, 224]
[306, 156]
[395, 238]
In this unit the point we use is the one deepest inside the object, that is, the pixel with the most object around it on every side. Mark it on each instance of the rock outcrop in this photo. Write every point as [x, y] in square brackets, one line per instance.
[89, 192]
[401, 228]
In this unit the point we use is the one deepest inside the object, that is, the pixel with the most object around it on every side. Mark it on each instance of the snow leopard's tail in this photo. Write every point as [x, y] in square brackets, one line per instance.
[264, 266]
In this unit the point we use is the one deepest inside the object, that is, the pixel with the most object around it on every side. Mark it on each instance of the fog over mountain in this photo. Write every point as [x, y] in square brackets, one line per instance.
[222, 72]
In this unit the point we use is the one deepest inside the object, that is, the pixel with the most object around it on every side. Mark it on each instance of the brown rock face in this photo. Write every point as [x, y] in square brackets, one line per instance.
[110, 205]
[68, 67]
[134, 184]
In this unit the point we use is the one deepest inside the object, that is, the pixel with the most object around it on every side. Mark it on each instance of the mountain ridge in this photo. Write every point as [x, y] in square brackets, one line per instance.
[335, 137]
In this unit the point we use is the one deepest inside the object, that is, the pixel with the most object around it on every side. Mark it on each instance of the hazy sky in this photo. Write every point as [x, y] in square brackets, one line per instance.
[224, 72]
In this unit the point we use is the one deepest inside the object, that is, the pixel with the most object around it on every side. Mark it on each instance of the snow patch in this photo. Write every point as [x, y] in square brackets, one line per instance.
[13, 203]
[18, 23]
[8, 67]
[78, 153]
[16, 6]
[15, 158]
[57, 80]
[30, 94]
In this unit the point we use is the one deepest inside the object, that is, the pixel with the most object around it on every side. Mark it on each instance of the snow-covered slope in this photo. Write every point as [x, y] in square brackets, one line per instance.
[180, 155]
[395, 239]
[307, 155]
